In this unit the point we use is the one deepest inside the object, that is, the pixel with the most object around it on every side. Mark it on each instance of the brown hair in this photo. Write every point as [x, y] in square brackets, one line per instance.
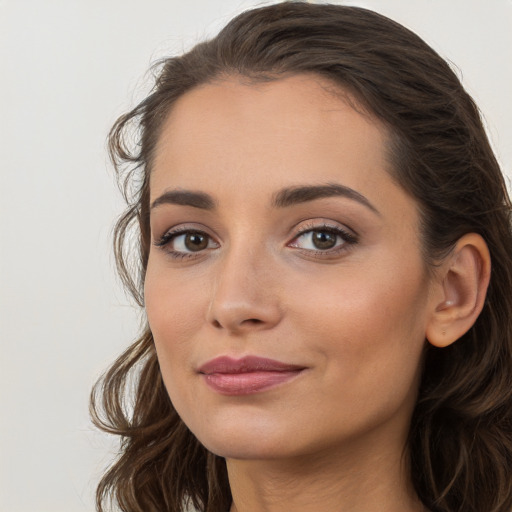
[460, 442]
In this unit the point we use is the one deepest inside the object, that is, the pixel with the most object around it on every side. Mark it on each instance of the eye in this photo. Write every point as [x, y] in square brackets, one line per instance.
[180, 243]
[190, 242]
[325, 239]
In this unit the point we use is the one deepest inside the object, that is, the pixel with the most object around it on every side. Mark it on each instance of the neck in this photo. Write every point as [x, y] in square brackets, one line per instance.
[342, 482]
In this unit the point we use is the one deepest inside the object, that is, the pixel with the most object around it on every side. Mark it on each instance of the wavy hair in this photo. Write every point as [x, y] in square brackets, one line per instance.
[460, 440]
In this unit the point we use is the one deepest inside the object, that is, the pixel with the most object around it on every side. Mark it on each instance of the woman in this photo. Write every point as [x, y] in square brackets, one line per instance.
[319, 211]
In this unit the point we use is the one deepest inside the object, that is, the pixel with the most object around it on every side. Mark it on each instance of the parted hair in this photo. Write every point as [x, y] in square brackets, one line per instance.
[460, 439]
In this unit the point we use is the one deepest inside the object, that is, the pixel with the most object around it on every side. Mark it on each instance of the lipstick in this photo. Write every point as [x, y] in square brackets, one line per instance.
[251, 374]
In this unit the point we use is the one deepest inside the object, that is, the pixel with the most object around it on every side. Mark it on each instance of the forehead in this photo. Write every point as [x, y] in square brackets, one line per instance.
[287, 131]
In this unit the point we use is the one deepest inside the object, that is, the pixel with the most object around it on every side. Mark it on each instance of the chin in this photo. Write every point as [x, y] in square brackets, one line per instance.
[257, 439]
[249, 449]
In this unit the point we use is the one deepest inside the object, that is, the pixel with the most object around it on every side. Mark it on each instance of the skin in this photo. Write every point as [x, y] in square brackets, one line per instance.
[355, 317]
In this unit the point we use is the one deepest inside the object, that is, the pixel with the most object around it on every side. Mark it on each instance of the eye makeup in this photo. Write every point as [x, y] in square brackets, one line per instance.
[315, 238]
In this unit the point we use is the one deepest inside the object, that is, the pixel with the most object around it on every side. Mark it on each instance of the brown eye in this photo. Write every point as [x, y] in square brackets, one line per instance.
[195, 241]
[323, 239]
[186, 242]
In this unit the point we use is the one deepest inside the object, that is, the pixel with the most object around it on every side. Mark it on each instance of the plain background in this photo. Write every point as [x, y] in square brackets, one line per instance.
[68, 68]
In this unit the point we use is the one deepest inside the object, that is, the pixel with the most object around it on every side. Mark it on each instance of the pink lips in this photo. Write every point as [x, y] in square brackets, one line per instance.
[250, 374]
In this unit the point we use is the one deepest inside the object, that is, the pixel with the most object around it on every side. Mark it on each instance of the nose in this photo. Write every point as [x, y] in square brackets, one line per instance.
[244, 296]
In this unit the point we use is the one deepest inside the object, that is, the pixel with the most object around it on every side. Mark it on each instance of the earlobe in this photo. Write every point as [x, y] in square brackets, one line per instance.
[460, 291]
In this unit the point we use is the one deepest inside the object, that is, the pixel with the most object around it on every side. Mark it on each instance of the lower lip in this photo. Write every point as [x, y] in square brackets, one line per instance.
[248, 383]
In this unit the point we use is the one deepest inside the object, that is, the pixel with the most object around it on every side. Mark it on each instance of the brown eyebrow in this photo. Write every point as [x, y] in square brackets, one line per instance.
[302, 194]
[185, 198]
[282, 199]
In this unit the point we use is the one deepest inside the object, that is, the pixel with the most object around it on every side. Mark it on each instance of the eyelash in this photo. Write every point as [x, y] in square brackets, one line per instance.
[348, 240]
[169, 236]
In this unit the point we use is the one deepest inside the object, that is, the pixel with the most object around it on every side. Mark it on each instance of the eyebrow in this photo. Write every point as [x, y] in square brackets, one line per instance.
[185, 198]
[302, 194]
[284, 198]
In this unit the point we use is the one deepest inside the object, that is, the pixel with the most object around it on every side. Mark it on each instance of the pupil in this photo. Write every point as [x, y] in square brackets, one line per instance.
[195, 242]
[324, 240]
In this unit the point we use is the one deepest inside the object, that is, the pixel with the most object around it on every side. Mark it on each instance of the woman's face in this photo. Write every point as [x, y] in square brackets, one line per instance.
[285, 287]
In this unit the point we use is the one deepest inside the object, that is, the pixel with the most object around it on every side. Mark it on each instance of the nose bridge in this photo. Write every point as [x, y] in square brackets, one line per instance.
[243, 296]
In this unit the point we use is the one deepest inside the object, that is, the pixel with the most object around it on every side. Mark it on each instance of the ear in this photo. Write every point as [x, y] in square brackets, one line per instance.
[459, 290]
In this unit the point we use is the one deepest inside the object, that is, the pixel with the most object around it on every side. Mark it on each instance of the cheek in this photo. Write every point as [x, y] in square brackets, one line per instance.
[173, 301]
[369, 324]
[371, 296]
[174, 308]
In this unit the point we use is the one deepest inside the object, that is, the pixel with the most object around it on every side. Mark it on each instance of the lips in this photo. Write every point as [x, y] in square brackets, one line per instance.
[248, 375]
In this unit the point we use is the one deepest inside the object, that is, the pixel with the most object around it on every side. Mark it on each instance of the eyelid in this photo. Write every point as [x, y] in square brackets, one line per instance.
[348, 236]
[325, 224]
[179, 229]
[164, 241]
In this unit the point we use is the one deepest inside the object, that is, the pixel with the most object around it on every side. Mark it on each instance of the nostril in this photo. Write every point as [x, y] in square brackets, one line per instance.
[249, 321]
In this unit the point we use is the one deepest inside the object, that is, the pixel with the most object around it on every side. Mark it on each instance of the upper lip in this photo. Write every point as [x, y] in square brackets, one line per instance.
[247, 364]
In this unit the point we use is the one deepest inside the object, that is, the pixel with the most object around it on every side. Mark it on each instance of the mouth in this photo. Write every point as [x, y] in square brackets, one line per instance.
[248, 375]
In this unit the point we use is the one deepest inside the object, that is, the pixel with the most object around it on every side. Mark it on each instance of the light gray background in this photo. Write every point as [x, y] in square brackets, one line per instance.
[68, 68]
